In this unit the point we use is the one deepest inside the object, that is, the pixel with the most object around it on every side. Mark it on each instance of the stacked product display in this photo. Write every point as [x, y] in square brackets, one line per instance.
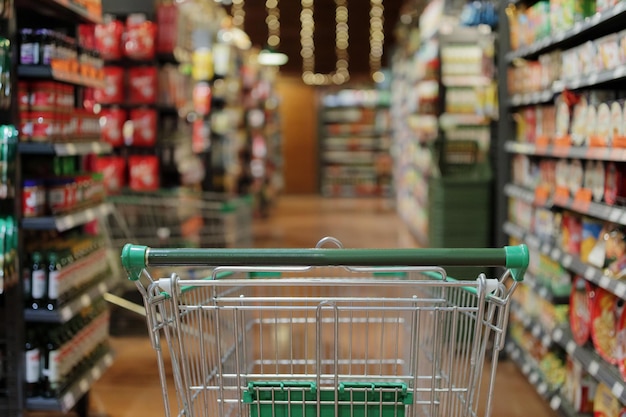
[565, 70]
[259, 169]
[443, 102]
[355, 143]
[55, 269]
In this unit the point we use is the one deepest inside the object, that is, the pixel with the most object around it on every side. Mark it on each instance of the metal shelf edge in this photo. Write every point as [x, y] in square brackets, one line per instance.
[64, 149]
[65, 222]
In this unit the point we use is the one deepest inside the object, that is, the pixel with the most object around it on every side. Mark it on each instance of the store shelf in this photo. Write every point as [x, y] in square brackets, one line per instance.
[465, 81]
[65, 222]
[590, 80]
[569, 261]
[45, 72]
[602, 154]
[67, 401]
[448, 120]
[536, 97]
[597, 367]
[64, 149]
[580, 30]
[543, 291]
[598, 210]
[556, 401]
[68, 310]
[536, 329]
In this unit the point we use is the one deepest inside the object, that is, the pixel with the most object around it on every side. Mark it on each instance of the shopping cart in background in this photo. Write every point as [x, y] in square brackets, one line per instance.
[170, 218]
[180, 218]
[326, 332]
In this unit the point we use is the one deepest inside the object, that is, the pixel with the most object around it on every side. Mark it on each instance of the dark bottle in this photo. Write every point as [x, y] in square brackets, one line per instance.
[38, 281]
[53, 280]
[52, 377]
[29, 48]
[32, 362]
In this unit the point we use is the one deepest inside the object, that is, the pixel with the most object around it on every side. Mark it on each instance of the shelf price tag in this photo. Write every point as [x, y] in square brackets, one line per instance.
[561, 196]
[582, 200]
[542, 194]
[562, 145]
[541, 144]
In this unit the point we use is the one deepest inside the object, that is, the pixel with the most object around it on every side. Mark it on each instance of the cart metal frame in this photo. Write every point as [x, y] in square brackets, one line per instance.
[326, 332]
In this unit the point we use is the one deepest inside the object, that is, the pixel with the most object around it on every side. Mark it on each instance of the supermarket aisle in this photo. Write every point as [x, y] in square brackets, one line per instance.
[131, 388]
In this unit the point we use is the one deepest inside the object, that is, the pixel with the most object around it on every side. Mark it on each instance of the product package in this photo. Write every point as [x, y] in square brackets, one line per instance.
[143, 172]
[144, 122]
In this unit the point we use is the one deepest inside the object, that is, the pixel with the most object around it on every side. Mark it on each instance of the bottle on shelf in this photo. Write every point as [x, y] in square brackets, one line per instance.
[39, 284]
[32, 372]
[53, 280]
[52, 378]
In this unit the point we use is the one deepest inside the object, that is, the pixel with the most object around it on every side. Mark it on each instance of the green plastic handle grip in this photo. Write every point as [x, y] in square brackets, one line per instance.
[135, 258]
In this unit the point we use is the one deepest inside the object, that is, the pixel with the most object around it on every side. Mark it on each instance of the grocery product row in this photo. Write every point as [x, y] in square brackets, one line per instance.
[546, 20]
[57, 355]
[61, 269]
[564, 179]
[355, 158]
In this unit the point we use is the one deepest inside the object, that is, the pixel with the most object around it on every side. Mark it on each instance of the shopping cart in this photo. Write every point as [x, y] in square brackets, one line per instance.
[181, 218]
[326, 332]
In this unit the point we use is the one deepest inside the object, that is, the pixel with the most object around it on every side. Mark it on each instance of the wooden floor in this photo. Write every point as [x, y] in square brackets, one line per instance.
[131, 387]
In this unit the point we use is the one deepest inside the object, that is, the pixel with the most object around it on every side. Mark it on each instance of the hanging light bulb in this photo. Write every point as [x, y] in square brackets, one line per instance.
[307, 51]
[270, 55]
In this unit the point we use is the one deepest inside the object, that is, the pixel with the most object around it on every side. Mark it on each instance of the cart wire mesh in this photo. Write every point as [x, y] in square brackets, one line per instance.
[305, 341]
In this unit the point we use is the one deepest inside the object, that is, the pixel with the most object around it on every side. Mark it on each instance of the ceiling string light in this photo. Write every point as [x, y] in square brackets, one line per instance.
[270, 55]
[239, 14]
[341, 74]
[377, 38]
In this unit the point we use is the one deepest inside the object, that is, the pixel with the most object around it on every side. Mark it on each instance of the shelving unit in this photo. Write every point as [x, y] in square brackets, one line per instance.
[556, 401]
[354, 143]
[82, 278]
[551, 145]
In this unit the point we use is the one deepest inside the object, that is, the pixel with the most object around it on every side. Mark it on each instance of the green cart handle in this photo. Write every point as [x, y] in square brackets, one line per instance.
[135, 258]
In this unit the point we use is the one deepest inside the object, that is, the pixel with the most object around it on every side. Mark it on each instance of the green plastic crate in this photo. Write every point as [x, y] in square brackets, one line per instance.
[299, 399]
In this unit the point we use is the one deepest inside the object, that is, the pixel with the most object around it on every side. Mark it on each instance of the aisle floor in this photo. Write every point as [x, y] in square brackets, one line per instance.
[131, 387]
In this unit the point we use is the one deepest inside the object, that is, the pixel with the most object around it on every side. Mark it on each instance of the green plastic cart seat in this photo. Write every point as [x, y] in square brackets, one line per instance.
[299, 399]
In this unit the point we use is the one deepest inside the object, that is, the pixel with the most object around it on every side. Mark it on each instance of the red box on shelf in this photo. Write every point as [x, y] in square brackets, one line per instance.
[143, 172]
[167, 17]
[112, 124]
[109, 39]
[113, 92]
[142, 85]
[87, 36]
[113, 169]
[139, 38]
[144, 127]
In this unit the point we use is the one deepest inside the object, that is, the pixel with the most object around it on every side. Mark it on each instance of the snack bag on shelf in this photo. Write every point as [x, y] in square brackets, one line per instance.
[605, 312]
[580, 309]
